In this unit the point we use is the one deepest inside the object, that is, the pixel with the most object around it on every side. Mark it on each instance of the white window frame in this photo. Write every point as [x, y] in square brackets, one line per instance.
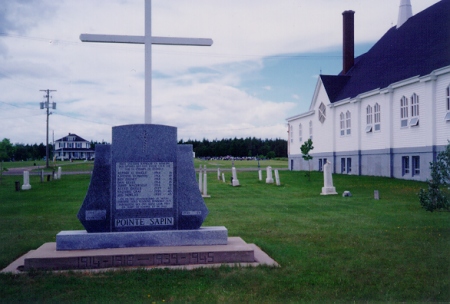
[405, 165]
[415, 164]
[404, 112]
[291, 133]
[369, 119]
[447, 116]
[414, 110]
[300, 132]
[322, 112]
[342, 123]
[377, 117]
[348, 123]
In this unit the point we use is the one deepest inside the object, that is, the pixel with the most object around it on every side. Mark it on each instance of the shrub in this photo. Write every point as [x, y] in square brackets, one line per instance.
[437, 196]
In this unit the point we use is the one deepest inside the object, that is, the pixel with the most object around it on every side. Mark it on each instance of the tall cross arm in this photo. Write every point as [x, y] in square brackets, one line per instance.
[141, 40]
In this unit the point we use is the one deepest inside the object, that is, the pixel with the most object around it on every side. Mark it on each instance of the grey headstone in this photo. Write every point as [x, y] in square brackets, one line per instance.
[376, 194]
[143, 181]
[346, 194]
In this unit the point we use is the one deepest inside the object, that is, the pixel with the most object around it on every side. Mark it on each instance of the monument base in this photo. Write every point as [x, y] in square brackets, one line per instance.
[328, 191]
[81, 240]
[236, 252]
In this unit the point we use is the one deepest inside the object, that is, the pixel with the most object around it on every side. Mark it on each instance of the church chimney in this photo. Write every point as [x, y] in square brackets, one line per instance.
[404, 13]
[348, 41]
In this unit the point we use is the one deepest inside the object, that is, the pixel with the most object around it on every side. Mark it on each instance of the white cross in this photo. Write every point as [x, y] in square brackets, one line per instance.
[148, 40]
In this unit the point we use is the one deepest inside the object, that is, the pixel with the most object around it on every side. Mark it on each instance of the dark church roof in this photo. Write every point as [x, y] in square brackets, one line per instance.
[420, 46]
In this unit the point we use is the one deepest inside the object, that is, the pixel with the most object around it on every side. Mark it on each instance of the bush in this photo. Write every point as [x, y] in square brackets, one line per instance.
[437, 197]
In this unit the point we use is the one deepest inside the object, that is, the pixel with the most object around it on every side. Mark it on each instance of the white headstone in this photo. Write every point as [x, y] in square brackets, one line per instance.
[218, 173]
[235, 180]
[277, 177]
[260, 174]
[328, 188]
[59, 172]
[223, 177]
[200, 180]
[376, 194]
[269, 178]
[205, 184]
[147, 40]
[26, 180]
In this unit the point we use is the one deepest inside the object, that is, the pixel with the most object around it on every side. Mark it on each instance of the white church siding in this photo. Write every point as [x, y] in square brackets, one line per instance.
[385, 146]
[442, 125]
[321, 135]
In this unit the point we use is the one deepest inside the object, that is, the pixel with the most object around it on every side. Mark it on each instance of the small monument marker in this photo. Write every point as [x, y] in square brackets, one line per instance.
[26, 180]
[277, 178]
[269, 178]
[235, 182]
[328, 188]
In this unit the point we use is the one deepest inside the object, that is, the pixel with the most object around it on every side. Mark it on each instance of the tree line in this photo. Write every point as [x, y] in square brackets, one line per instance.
[236, 147]
[239, 147]
[19, 151]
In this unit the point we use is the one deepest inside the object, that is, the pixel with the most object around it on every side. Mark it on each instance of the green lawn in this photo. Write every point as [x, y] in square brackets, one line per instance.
[330, 248]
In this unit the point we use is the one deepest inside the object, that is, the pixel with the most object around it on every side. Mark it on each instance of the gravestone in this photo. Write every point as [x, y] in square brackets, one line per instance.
[277, 178]
[376, 194]
[235, 181]
[260, 174]
[223, 177]
[328, 188]
[143, 192]
[218, 174]
[346, 194]
[200, 179]
[26, 180]
[205, 184]
[269, 178]
[145, 183]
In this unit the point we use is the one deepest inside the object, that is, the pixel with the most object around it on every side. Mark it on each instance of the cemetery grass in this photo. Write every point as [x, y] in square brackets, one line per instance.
[329, 248]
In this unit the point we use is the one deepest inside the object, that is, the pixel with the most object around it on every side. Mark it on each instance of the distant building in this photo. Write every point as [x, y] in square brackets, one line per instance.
[73, 146]
[388, 112]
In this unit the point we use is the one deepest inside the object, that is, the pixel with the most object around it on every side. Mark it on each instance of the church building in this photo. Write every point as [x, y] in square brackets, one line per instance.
[388, 112]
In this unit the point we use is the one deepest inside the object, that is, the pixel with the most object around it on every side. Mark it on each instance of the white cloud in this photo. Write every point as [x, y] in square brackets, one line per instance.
[196, 89]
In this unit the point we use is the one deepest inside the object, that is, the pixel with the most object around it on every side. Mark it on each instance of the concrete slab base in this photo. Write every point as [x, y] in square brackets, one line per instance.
[236, 252]
[81, 240]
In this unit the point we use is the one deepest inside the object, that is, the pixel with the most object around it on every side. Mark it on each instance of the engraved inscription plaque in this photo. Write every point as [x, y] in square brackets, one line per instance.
[144, 185]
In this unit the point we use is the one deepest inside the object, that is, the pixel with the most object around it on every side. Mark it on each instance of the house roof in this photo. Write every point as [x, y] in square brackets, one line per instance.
[66, 138]
[420, 46]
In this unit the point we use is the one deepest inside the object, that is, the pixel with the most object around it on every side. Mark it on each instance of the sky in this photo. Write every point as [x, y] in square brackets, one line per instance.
[261, 69]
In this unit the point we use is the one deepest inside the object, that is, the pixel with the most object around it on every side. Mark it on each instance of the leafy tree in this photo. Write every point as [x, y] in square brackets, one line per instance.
[437, 197]
[306, 148]
[6, 150]
[271, 155]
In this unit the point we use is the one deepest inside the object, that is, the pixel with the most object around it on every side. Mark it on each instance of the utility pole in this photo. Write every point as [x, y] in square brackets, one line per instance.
[46, 105]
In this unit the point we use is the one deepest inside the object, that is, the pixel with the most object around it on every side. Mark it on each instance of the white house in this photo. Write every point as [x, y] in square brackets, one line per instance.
[388, 112]
[73, 146]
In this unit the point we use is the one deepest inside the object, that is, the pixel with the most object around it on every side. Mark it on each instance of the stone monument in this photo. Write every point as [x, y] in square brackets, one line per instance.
[277, 177]
[235, 182]
[143, 194]
[269, 178]
[26, 180]
[328, 188]
[144, 181]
